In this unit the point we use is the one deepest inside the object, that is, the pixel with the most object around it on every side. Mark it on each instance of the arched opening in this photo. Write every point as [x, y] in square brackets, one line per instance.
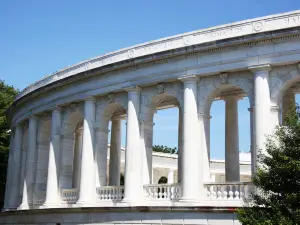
[111, 137]
[230, 136]
[71, 147]
[42, 157]
[160, 132]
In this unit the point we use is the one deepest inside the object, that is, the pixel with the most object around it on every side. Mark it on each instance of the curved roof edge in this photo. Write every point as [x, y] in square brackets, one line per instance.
[245, 27]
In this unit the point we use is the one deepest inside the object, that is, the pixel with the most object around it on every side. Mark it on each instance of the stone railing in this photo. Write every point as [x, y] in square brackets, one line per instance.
[228, 190]
[69, 196]
[162, 192]
[113, 193]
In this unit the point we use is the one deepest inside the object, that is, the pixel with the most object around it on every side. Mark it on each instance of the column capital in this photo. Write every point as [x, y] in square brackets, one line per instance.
[231, 97]
[189, 79]
[90, 99]
[133, 89]
[274, 109]
[56, 109]
[260, 68]
[204, 115]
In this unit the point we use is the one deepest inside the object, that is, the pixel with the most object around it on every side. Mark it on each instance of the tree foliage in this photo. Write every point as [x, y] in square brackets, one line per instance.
[164, 149]
[7, 95]
[277, 181]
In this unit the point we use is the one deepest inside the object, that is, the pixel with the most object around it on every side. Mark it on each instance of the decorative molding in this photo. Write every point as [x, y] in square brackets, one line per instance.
[224, 78]
[111, 98]
[260, 68]
[133, 89]
[160, 88]
[247, 27]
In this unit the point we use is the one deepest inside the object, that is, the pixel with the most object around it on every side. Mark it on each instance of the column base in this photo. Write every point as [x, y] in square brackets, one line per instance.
[49, 205]
[85, 204]
[24, 206]
[189, 200]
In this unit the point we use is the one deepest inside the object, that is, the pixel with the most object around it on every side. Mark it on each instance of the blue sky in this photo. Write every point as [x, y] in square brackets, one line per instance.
[40, 37]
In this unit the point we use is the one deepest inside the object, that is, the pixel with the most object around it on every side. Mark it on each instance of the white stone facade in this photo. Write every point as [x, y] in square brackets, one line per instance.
[59, 124]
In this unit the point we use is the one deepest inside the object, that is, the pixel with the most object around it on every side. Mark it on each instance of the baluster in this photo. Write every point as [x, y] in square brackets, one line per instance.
[155, 192]
[236, 193]
[219, 193]
[230, 192]
[242, 192]
[224, 193]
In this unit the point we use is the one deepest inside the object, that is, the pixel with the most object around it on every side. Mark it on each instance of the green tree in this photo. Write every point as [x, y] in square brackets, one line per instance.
[277, 181]
[164, 149]
[7, 95]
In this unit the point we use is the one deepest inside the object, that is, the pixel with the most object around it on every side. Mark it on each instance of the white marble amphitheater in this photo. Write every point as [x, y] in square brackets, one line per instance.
[58, 169]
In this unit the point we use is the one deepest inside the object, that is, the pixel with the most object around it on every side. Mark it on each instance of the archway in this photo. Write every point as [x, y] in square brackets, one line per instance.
[160, 117]
[111, 120]
[228, 110]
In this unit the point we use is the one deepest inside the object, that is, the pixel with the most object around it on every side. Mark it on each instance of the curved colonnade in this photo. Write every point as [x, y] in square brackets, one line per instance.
[58, 156]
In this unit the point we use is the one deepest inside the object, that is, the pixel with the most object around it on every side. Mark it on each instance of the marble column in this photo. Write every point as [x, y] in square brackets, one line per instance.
[27, 197]
[133, 175]
[191, 180]
[52, 189]
[171, 177]
[204, 124]
[232, 167]
[180, 120]
[252, 142]
[261, 108]
[288, 103]
[101, 150]
[87, 190]
[77, 158]
[14, 200]
[147, 141]
[115, 153]
[7, 206]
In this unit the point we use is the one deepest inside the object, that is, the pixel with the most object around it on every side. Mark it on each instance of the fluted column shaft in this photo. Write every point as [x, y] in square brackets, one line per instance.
[27, 198]
[232, 167]
[180, 121]
[115, 153]
[204, 124]
[52, 189]
[87, 178]
[191, 179]
[261, 109]
[147, 141]
[133, 172]
[16, 162]
[77, 159]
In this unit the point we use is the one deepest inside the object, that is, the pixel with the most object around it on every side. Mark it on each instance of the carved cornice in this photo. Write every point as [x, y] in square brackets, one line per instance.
[133, 89]
[235, 30]
[260, 68]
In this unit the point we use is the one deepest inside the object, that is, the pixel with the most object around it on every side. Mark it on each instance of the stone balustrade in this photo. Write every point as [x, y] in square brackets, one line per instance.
[228, 190]
[162, 192]
[113, 193]
[69, 196]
